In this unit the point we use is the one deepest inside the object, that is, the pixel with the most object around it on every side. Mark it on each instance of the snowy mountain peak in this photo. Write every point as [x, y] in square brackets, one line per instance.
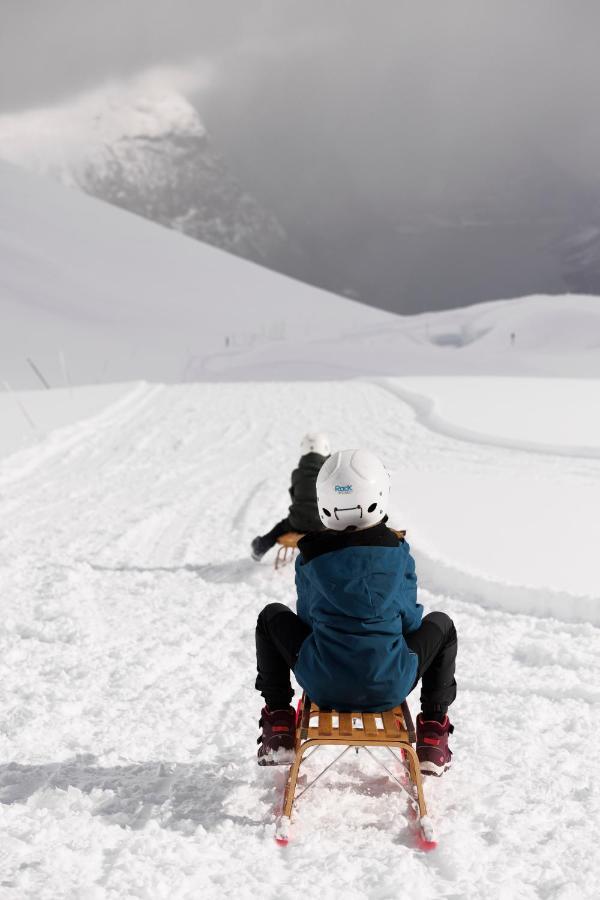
[66, 139]
[137, 116]
[146, 150]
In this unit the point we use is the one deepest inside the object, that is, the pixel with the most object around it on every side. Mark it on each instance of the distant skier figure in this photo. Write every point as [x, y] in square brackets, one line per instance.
[513, 338]
[358, 641]
[303, 514]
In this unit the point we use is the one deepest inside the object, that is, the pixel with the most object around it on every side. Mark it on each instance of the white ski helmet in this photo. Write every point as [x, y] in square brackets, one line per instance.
[315, 442]
[353, 490]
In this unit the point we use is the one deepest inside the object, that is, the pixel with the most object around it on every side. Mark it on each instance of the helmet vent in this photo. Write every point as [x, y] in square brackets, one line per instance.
[326, 512]
[372, 507]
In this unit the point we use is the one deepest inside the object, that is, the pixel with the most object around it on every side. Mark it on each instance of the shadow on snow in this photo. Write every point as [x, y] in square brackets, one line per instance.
[235, 570]
[180, 796]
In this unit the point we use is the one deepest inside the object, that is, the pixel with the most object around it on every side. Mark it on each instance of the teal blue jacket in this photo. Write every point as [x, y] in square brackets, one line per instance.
[359, 601]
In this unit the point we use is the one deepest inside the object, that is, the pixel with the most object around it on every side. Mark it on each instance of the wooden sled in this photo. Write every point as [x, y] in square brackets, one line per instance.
[392, 730]
[286, 551]
[288, 544]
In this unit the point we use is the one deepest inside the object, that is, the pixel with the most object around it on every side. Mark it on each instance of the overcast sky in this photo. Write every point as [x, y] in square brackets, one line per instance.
[52, 49]
[335, 110]
[418, 72]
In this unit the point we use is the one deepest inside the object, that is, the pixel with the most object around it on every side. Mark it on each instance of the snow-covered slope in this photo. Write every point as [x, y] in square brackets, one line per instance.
[91, 293]
[26, 417]
[146, 151]
[127, 746]
[116, 297]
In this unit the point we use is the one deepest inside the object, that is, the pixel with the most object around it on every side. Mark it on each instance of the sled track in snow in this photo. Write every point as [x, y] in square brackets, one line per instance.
[424, 410]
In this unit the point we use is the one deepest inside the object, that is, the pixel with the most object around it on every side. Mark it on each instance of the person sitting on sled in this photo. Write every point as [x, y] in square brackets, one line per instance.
[359, 640]
[303, 514]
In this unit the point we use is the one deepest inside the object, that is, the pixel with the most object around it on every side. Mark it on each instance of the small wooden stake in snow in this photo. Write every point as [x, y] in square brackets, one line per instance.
[38, 373]
[30, 421]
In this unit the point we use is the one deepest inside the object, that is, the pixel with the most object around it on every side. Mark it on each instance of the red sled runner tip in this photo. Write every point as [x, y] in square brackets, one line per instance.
[426, 835]
[425, 846]
[282, 831]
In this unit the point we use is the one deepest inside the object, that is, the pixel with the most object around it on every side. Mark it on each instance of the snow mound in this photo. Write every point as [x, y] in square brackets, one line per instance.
[540, 323]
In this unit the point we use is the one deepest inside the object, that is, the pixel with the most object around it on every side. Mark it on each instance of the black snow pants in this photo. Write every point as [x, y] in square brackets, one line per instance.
[280, 633]
[268, 540]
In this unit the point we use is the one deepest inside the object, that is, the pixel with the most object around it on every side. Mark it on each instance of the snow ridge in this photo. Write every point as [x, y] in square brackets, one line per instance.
[425, 410]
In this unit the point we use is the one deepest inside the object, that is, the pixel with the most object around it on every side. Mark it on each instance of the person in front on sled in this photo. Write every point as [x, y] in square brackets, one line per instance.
[359, 640]
[303, 515]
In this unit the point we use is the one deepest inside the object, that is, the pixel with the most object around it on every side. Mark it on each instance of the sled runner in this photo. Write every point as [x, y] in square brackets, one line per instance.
[392, 730]
[288, 544]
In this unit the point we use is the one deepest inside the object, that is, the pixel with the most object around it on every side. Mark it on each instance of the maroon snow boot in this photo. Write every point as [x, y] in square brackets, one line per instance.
[278, 736]
[432, 745]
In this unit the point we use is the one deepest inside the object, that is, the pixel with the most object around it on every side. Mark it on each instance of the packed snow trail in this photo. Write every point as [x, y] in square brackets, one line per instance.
[128, 728]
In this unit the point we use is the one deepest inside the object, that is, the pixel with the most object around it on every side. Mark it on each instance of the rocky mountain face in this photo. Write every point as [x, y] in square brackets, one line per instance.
[151, 155]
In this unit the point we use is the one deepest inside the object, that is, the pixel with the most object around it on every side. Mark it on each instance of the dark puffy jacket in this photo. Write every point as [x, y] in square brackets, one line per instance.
[304, 515]
[359, 601]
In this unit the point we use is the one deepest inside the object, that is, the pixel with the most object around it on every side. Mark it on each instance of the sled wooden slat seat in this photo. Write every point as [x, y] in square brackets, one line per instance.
[345, 724]
[290, 539]
[392, 726]
[392, 729]
[369, 725]
[325, 728]
[288, 544]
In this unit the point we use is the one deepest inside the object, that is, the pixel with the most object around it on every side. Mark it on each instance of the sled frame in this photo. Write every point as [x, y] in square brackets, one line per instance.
[286, 551]
[392, 729]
